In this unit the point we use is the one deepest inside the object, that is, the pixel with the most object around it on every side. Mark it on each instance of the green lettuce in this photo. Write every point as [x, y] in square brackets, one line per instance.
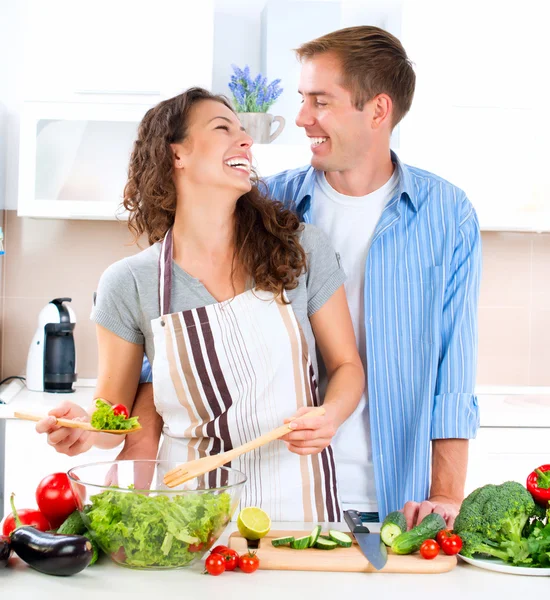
[157, 531]
[103, 417]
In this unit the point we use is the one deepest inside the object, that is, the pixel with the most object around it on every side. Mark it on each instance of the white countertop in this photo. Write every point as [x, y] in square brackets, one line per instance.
[107, 580]
[506, 407]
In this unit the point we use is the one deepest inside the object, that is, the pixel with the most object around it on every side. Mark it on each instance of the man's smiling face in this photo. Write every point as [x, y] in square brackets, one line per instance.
[340, 134]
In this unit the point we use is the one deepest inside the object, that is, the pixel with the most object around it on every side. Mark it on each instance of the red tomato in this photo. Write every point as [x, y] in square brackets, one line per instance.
[120, 409]
[249, 562]
[55, 498]
[441, 535]
[219, 550]
[27, 516]
[429, 549]
[231, 558]
[196, 547]
[214, 564]
[451, 544]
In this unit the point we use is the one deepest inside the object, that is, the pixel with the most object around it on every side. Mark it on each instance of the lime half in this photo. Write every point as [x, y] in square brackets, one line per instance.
[253, 523]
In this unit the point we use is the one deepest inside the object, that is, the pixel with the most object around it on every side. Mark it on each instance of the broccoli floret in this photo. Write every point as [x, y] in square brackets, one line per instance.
[471, 516]
[492, 520]
[508, 511]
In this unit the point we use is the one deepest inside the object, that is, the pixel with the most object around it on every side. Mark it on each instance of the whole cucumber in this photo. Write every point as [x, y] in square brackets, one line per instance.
[410, 541]
[394, 525]
[73, 525]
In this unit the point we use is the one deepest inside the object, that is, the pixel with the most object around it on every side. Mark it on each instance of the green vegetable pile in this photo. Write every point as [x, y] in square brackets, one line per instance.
[503, 521]
[157, 531]
[103, 417]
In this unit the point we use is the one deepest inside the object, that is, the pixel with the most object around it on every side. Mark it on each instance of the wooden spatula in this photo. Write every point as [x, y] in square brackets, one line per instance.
[194, 468]
[75, 424]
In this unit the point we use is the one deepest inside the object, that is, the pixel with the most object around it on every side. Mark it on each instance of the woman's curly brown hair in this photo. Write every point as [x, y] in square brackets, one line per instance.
[266, 235]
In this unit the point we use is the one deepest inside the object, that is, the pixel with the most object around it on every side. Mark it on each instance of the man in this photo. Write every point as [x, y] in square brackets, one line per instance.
[410, 245]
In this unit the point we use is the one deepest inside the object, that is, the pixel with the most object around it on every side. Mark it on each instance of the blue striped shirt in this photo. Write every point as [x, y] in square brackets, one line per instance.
[422, 277]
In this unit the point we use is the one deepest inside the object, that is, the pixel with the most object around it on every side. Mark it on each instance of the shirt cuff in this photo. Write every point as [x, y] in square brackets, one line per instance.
[146, 372]
[455, 416]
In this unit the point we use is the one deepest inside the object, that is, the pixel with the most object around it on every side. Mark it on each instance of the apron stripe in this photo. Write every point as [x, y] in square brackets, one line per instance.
[218, 376]
[230, 355]
[249, 406]
[334, 486]
[165, 291]
[300, 401]
[195, 427]
[175, 376]
[317, 479]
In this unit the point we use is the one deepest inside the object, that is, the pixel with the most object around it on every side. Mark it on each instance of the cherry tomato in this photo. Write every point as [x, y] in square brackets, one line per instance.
[451, 544]
[231, 558]
[219, 550]
[429, 549]
[27, 516]
[249, 562]
[120, 409]
[441, 535]
[214, 564]
[55, 498]
[196, 547]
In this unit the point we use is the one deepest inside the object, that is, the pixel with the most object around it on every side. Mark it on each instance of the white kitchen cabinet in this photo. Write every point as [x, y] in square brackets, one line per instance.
[73, 158]
[501, 454]
[123, 51]
[29, 459]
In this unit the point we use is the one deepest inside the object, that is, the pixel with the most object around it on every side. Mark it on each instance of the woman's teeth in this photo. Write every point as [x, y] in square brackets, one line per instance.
[239, 163]
[318, 141]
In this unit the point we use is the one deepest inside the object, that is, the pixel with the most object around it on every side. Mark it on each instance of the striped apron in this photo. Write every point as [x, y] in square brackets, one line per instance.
[229, 372]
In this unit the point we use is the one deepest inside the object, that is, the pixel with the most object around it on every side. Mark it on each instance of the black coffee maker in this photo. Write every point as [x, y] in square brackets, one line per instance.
[51, 363]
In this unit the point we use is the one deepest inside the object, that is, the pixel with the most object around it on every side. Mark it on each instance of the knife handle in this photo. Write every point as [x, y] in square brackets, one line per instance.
[353, 519]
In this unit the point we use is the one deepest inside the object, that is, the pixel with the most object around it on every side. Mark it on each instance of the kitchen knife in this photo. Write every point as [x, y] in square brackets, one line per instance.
[370, 543]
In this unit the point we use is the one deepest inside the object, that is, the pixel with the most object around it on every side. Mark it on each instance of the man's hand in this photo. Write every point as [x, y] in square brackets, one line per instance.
[446, 507]
[310, 435]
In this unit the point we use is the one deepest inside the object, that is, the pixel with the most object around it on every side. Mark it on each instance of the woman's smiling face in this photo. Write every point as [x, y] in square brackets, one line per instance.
[216, 152]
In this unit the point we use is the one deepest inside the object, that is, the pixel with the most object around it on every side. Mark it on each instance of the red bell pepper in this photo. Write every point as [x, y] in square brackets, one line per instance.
[538, 484]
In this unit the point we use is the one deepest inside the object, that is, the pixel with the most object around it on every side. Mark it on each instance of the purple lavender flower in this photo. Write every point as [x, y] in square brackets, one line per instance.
[252, 95]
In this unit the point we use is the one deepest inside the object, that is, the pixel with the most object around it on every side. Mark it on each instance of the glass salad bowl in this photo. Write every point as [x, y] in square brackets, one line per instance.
[141, 523]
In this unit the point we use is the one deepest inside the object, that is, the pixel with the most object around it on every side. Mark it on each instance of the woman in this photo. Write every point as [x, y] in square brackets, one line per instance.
[227, 302]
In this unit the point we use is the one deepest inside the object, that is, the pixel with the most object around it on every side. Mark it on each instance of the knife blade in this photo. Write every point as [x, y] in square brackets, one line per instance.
[371, 545]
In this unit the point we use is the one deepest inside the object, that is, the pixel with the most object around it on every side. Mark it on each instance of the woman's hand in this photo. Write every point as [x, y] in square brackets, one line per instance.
[66, 440]
[312, 434]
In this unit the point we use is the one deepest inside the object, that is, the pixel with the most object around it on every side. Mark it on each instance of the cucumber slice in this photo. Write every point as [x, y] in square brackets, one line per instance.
[340, 538]
[323, 544]
[282, 541]
[314, 536]
[300, 543]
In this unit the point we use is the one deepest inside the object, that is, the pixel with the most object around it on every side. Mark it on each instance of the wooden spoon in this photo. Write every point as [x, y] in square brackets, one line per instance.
[195, 468]
[75, 424]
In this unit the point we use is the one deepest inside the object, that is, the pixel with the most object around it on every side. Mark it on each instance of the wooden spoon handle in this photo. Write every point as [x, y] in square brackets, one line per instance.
[275, 434]
[61, 422]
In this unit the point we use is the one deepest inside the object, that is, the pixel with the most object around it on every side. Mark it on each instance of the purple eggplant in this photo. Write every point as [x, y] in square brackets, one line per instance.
[5, 550]
[50, 553]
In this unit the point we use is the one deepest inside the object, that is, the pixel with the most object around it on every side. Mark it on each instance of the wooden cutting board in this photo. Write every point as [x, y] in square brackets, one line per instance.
[339, 559]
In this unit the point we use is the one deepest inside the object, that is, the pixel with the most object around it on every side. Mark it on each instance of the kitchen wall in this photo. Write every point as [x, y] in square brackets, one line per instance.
[51, 258]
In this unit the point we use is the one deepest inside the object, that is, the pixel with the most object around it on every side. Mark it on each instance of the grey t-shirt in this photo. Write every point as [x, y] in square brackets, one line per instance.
[128, 299]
